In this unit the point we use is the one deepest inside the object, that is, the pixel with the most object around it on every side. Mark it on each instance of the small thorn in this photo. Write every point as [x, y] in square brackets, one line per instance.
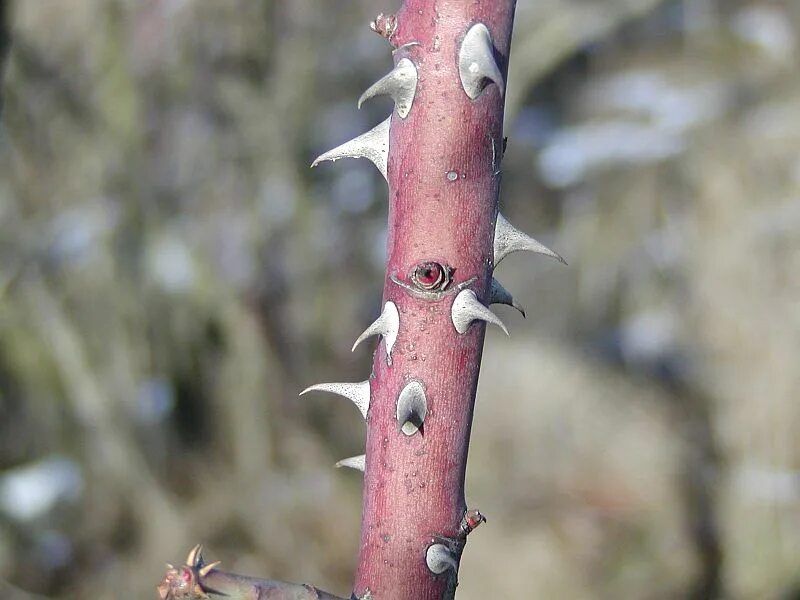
[508, 239]
[204, 571]
[387, 325]
[412, 408]
[195, 557]
[439, 559]
[400, 83]
[354, 462]
[357, 392]
[373, 145]
[467, 308]
[476, 64]
[500, 295]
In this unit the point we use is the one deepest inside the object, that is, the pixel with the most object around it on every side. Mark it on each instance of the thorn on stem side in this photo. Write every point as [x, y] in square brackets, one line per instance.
[508, 239]
[467, 308]
[354, 462]
[358, 393]
[439, 559]
[412, 408]
[386, 325]
[477, 66]
[400, 84]
[500, 295]
[372, 145]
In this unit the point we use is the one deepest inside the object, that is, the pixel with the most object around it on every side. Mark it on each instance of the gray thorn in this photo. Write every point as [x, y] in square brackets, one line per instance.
[439, 559]
[500, 295]
[507, 239]
[400, 83]
[467, 308]
[373, 145]
[476, 63]
[357, 392]
[412, 408]
[387, 325]
[354, 462]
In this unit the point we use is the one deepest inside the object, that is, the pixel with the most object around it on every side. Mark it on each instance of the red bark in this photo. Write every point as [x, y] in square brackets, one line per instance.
[414, 485]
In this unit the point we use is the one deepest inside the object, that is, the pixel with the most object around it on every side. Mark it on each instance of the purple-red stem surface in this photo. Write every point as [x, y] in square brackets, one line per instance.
[414, 485]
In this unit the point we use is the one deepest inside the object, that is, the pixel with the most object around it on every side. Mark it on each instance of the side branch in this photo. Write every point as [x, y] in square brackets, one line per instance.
[198, 580]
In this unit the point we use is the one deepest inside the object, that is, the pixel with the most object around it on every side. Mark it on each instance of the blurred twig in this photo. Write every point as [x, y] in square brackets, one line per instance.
[110, 449]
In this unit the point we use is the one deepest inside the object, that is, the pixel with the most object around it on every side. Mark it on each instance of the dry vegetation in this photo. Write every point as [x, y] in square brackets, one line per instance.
[169, 267]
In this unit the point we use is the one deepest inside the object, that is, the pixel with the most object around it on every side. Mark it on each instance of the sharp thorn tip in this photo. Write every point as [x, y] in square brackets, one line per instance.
[195, 556]
[357, 393]
[205, 570]
[508, 239]
[353, 462]
[386, 325]
[372, 145]
[467, 308]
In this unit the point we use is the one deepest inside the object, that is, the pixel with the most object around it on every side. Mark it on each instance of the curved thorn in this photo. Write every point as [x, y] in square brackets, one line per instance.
[373, 145]
[195, 557]
[508, 239]
[500, 295]
[204, 571]
[439, 559]
[412, 408]
[467, 308]
[357, 392]
[354, 462]
[400, 83]
[476, 64]
[387, 325]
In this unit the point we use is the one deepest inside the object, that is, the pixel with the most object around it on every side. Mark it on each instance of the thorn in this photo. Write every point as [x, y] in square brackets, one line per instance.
[476, 64]
[400, 83]
[354, 462]
[467, 308]
[195, 557]
[208, 568]
[500, 295]
[373, 145]
[412, 408]
[507, 239]
[439, 559]
[357, 392]
[387, 325]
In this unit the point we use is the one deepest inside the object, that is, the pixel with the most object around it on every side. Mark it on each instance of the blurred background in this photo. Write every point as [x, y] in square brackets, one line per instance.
[169, 263]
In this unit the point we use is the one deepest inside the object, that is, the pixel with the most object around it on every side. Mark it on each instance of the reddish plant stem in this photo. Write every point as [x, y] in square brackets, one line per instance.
[197, 581]
[443, 193]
